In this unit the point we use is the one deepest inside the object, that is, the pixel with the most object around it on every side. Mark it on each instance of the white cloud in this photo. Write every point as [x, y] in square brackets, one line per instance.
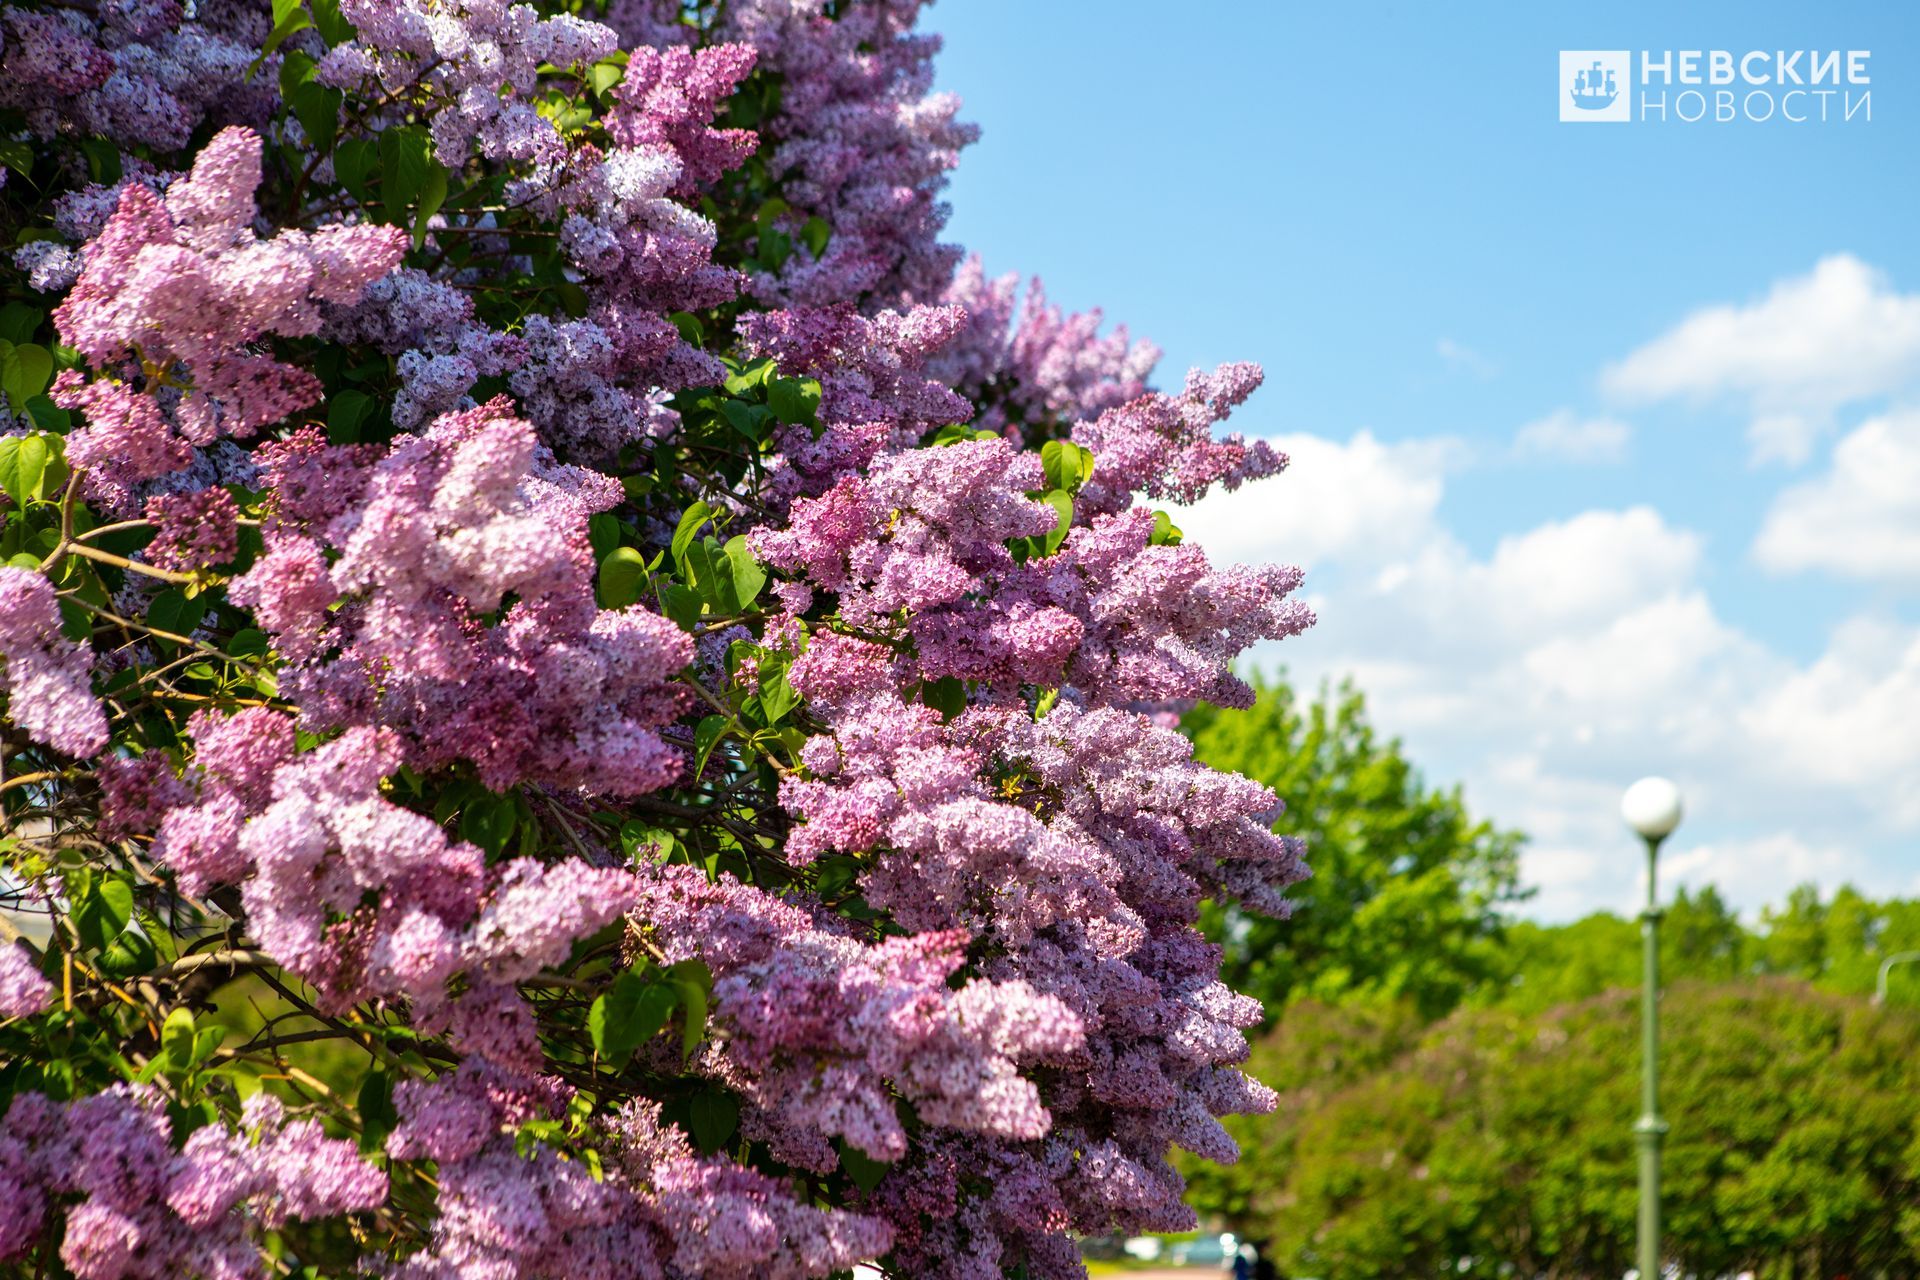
[1851, 719]
[1812, 345]
[1757, 872]
[1861, 519]
[1465, 359]
[1562, 436]
[1575, 656]
[1364, 497]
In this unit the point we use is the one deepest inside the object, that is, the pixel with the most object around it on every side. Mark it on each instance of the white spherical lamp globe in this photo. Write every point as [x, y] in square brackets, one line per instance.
[1651, 806]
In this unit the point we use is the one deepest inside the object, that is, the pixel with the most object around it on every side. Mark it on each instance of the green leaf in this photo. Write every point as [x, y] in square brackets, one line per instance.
[19, 322]
[692, 982]
[353, 162]
[623, 572]
[603, 533]
[753, 374]
[745, 577]
[1165, 532]
[318, 109]
[773, 248]
[295, 21]
[947, 695]
[776, 696]
[433, 194]
[49, 416]
[488, 820]
[296, 69]
[104, 913]
[702, 567]
[103, 160]
[406, 155]
[706, 736]
[327, 19]
[1066, 464]
[128, 954]
[814, 234]
[176, 1040]
[248, 642]
[631, 1013]
[602, 76]
[346, 413]
[206, 1042]
[689, 326]
[172, 611]
[747, 419]
[862, 1168]
[23, 465]
[682, 604]
[24, 372]
[16, 155]
[714, 1115]
[1063, 504]
[955, 433]
[794, 400]
[378, 1116]
[687, 530]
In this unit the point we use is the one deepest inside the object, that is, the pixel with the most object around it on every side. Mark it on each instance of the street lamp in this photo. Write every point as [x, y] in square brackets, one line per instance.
[1651, 807]
[1886, 967]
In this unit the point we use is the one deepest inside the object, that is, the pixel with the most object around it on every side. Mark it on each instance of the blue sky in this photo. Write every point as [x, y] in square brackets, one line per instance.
[1601, 433]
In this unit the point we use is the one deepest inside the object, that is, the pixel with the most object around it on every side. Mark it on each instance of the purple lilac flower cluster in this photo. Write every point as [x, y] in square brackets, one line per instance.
[530, 548]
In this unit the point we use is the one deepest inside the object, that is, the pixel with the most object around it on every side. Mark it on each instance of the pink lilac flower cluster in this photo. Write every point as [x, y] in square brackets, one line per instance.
[670, 96]
[924, 537]
[140, 1208]
[860, 141]
[875, 390]
[135, 72]
[825, 1030]
[587, 382]
[428, 542]
[477, 60]
[1164, 445]
[657, 1210]
[360, 897]
[1044, 368]
[175, 292]
[49, 691]
[193, 530]
[23, 991]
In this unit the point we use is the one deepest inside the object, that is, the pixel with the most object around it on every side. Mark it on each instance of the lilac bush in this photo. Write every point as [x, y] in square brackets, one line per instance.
[586, 697]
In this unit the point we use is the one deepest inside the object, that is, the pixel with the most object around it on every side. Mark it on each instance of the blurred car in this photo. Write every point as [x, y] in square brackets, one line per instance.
[1205, 1251]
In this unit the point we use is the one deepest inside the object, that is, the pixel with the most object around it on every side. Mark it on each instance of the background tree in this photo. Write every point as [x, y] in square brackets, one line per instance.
[1407, 889]
[1500, 1143]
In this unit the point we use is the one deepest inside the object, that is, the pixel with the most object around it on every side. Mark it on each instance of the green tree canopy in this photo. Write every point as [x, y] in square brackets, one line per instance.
[1498, 1139]
[1405, 899]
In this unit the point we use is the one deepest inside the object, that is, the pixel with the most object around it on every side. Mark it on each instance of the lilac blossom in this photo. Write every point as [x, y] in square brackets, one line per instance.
[144, 1208]
[49, 692]
[23, 991]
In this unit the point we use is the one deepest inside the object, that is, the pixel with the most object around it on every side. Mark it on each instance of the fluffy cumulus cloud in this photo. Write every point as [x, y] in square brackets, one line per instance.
[1814, 344]
[1861, 519]
[1564, 436]
[1568, 658]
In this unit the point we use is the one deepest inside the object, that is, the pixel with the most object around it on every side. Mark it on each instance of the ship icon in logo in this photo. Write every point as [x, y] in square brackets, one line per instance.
[1593, 89]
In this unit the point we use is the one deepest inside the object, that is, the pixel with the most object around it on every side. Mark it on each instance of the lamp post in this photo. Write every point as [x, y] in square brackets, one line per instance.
[1886, 967]
[1651, 807]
